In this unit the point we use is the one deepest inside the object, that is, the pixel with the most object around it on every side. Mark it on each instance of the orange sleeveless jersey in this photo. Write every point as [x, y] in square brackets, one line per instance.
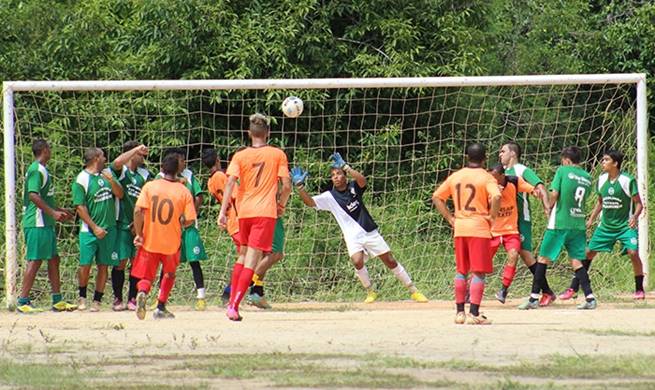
[164, 202]
[471, 189]
[258, 170]
[507, 221]
[216, 187]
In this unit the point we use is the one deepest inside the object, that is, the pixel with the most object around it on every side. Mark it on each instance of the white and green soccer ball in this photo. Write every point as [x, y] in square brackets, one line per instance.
[292, 107]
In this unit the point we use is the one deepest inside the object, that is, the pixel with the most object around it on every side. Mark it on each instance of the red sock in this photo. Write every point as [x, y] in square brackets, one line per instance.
[236, 273]
[460, 290]
[508, 275]
[477, 290]
[244, 283]
[144, 285]
[167, 283]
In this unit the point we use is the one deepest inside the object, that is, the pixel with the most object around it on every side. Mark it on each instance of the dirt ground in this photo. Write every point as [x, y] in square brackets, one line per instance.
[423, 332]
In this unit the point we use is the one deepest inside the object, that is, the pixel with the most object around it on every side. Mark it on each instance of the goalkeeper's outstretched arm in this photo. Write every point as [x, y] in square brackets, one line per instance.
[306, 198]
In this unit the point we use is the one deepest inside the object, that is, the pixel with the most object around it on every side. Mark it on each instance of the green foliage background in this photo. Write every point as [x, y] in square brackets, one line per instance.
[195, 39]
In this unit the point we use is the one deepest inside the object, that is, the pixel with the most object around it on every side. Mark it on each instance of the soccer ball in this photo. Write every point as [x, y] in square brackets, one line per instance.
[292, 107]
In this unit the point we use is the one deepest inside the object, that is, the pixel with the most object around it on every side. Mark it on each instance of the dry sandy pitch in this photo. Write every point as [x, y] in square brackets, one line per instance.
[397, 344]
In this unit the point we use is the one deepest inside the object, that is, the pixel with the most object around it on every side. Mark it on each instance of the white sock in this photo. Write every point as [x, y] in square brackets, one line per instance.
[362, 274]
[201, 293]
[403, 276]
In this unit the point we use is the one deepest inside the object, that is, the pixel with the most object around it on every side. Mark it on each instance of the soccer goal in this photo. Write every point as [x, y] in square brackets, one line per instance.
[404, 134]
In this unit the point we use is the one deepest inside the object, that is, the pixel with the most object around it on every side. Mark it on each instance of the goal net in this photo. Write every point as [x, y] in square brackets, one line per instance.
[406, 135]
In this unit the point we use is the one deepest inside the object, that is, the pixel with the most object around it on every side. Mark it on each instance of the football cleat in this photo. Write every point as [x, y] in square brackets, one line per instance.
[528, 304]
[568, 294]
[118, 305]
[477, 320]
[233, 314]
[460, 318]
[95, 306]
[258, 301]
[63, 306]
[81, 303]
[131, 305]
[639, 295]
[201, 304]
[371, 296]
[141, 305]
[547, 299]
[418, 297]
[588, 305]
[501, 295]
[164, 314]
[28, 309]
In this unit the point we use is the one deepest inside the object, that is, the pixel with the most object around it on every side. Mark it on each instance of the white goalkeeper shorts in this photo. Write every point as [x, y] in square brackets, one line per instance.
[371, 243]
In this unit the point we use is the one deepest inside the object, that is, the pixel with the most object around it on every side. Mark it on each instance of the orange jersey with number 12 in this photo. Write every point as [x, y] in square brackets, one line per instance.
[471, 189]
[164, 202]
[216, 187]
[258, 170]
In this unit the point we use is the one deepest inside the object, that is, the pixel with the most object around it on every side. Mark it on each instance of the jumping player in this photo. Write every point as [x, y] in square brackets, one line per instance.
[471, 188]
[619, 200]
[360, 231]
[94, 191]
[163, 208]
[40, 213]
[260, 169]
[132, 177]
[566, 226]
[505, 228]
[509, 155]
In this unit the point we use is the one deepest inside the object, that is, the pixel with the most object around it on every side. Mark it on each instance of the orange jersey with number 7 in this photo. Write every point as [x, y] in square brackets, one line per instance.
[164, 203]
[258, 170]
[471, 189]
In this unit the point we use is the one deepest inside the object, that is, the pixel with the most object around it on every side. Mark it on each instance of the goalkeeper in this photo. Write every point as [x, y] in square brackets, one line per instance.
[359, 230]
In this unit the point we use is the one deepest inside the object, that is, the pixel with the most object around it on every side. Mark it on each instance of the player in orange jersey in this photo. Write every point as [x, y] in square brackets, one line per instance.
[216, 187]
[260, 169]
[163, 208]
[505, 229]
[471, 188]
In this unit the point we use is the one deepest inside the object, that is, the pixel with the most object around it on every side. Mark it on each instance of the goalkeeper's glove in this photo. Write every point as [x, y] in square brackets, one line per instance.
[298, 176]
[338, 161]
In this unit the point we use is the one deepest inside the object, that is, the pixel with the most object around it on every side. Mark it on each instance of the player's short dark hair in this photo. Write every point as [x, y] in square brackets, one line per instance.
[573, 153]
[38, 146]
[90, 154]
[514, 147]
[170, 164]
[616, 156]
[179, 152]
[129, 145]
[476, 153]
[260, 124]
[209, 157]
[332, 169]
[498, 168]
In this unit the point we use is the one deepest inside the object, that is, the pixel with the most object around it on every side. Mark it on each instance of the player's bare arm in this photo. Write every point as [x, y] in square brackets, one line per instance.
[639, 207]
[83, 212]
[285, 193]
[138, 226]
[594, 213]
[227, 194]
[541, 193]
[443, 210]
[124, 158]
[495, 207]
[116, 188]
[58, 214]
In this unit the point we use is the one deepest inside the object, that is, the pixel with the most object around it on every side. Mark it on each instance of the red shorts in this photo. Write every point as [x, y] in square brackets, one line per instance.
[236, 239]
[509, 241]
[472, 254]
[257, 232]
[146, 263]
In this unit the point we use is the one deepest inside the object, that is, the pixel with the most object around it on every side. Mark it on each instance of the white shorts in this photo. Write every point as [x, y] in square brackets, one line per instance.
[371, 243]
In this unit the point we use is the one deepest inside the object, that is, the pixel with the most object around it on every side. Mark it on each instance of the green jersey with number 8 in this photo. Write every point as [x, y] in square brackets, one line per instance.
[574, 186]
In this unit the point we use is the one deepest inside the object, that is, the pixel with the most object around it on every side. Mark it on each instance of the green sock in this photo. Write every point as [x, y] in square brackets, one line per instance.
[56, 298]
[23, 301]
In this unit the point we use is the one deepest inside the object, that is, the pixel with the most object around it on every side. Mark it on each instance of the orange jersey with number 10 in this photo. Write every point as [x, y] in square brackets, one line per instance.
[164, 202]
[471, 189]
[216, 187]
[258, 170]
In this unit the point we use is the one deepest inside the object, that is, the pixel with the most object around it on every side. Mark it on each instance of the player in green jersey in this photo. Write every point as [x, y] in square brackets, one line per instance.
[40, 213]
[566, 226]
[128, 167]
[620, 203]
[94, 190]
[510, 155]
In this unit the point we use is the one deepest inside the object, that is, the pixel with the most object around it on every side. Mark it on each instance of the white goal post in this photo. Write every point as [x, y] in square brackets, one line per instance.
[11, 87]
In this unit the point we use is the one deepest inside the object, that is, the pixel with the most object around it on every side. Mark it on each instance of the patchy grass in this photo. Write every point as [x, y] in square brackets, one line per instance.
[617, 332]
[46, 376]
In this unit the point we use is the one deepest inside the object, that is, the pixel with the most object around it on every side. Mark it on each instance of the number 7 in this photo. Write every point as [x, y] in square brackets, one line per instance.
[260, 168]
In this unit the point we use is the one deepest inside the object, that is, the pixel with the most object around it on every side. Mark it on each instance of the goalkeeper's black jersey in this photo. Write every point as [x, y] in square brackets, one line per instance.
[351, 202]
